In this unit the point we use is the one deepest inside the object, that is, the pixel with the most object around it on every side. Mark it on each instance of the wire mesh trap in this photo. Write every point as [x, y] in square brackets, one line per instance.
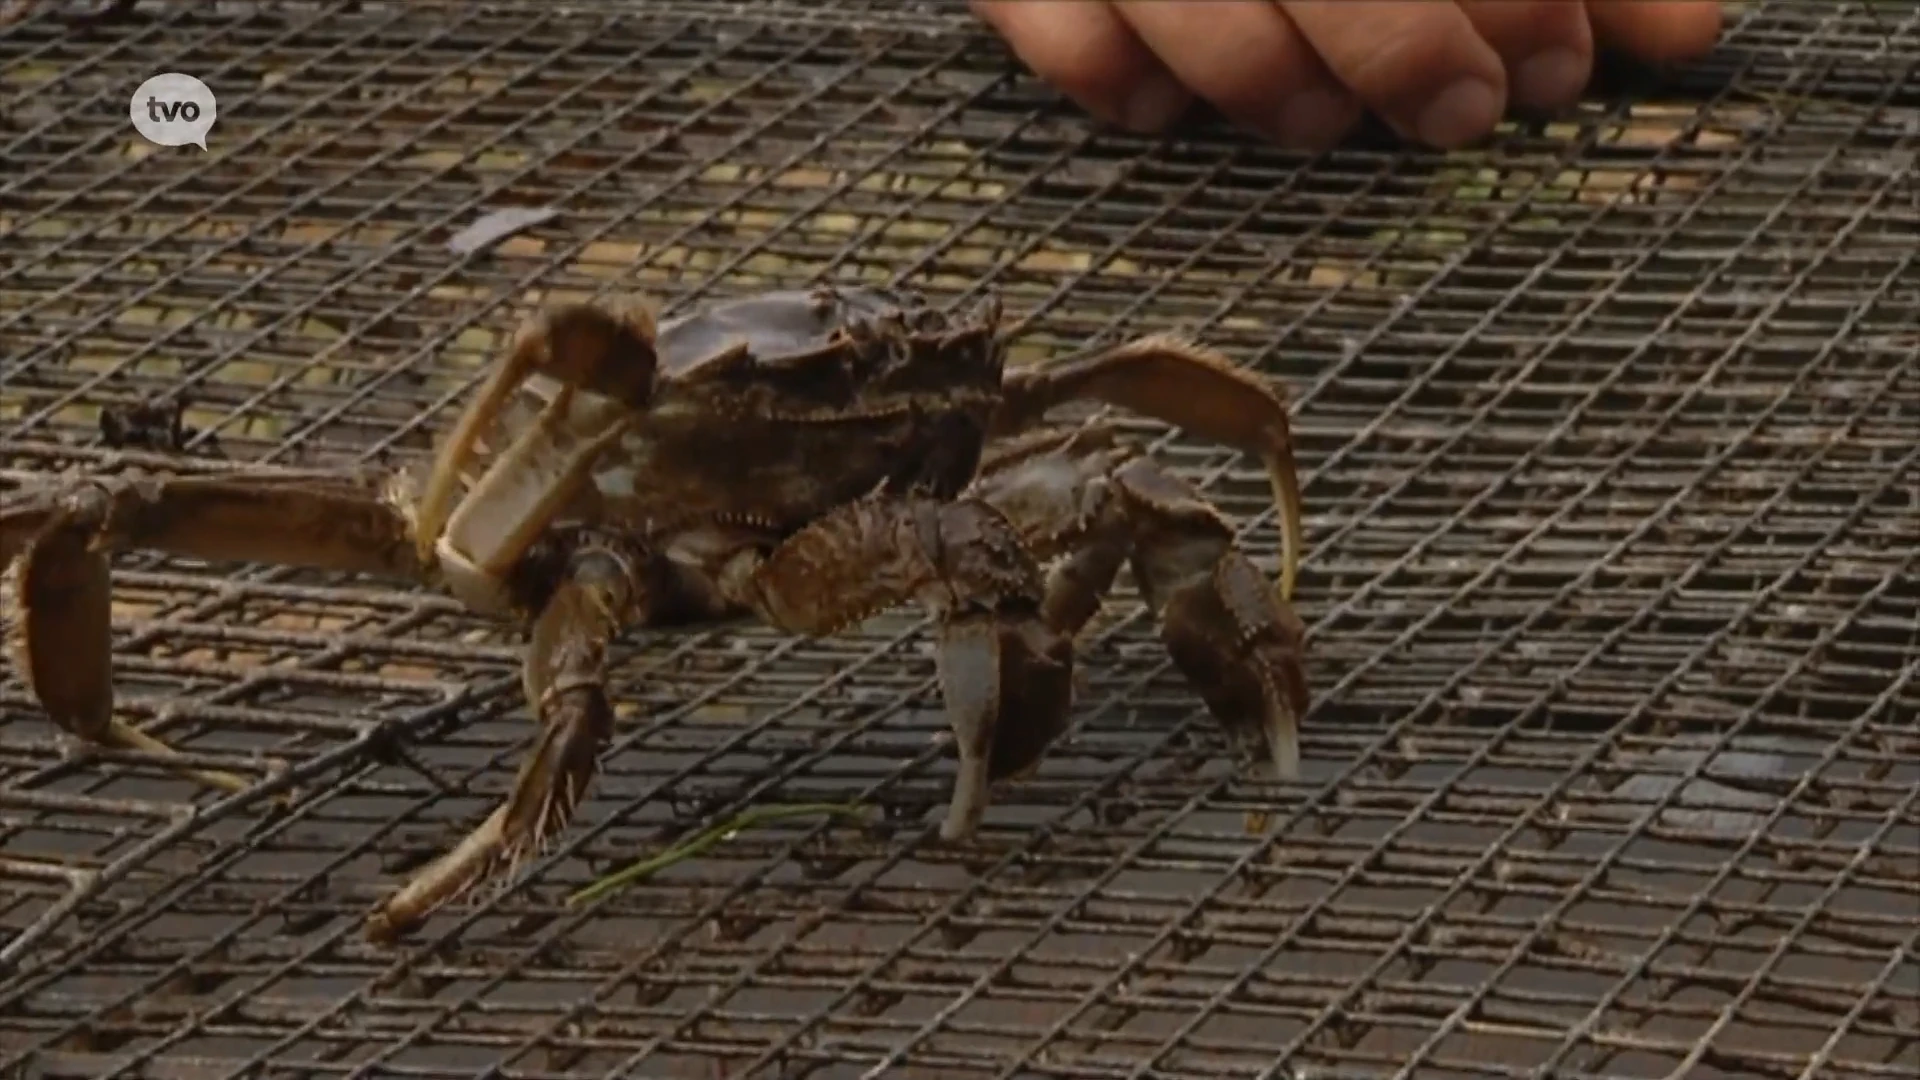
[1610, 435]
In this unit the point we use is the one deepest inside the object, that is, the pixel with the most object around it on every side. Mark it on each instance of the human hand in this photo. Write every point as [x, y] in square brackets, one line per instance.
[1301, 72]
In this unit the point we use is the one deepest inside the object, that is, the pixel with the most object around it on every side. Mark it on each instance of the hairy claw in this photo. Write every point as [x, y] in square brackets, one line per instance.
[604, 349]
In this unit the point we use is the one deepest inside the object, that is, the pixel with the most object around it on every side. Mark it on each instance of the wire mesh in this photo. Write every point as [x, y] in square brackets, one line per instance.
[1611, 434]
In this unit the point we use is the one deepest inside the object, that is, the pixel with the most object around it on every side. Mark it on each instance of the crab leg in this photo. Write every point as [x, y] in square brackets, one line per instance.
[1098, 502]
[600, 594]
[63, 538]
[1182, 384]
[1005, 674]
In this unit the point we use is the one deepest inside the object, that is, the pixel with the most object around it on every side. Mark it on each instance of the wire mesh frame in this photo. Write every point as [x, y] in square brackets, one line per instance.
[1612, 588]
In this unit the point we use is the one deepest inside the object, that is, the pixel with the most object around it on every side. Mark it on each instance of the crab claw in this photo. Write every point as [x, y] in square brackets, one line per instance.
[607, 349]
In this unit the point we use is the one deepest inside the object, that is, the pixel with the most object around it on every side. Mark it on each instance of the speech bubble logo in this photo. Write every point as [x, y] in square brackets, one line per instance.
[173, 110]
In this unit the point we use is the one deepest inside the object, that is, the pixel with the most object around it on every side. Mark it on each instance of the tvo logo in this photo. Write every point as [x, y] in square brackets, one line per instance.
[173, 110]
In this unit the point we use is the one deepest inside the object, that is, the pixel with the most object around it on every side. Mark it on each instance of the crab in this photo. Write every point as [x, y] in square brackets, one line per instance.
[805, 457]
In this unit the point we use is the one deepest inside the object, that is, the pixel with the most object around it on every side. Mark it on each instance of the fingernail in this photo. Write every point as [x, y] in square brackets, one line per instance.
[1154, 104]
[1462, 113]
[1312, 119]
[1551, 79]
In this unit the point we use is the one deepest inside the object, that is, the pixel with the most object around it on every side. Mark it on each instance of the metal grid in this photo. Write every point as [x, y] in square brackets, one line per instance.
[1612, 436]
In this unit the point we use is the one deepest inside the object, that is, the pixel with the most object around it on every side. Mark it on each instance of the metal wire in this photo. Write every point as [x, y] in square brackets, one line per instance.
[1612, 430]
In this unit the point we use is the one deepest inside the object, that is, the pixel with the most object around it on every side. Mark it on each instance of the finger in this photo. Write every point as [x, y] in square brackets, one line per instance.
[1246, 58]
[1546, 44]
[1087, 52]
[1419, 64]
[1667, 33]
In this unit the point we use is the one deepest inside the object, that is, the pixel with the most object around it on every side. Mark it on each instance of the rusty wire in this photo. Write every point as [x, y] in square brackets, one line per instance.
[1612, 431]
